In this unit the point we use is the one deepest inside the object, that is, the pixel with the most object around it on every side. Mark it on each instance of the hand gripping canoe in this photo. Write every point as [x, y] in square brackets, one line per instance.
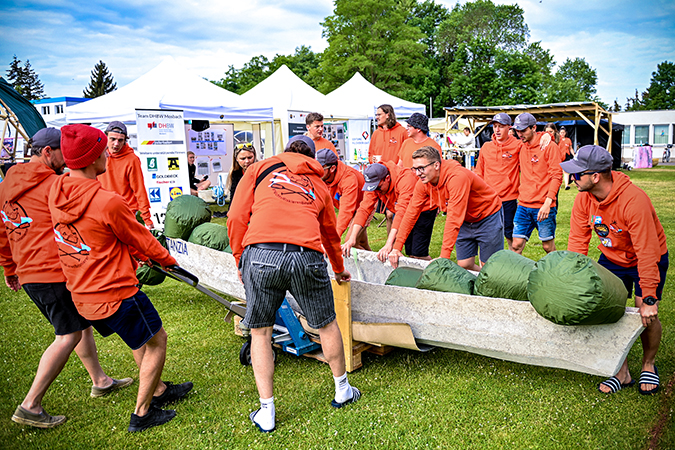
[180, 274]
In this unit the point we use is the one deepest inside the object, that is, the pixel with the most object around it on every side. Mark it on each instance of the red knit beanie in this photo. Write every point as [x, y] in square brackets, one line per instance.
[81, 145]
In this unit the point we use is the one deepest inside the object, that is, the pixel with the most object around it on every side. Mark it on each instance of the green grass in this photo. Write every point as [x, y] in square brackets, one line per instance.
[441, 399]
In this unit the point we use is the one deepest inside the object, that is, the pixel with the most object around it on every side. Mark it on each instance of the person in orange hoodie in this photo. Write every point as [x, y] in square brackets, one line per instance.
[499, 165]
[346, 189]
[417, 128]
[98, 238]
[278, 227]
[124, 174]
[314, 123]
[30, 260]
[540, 178]
[474, 211]
[567, 151]
[633, 246]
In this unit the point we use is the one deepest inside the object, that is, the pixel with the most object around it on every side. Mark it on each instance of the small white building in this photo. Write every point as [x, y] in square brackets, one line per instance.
[646, 127]
[53, 110]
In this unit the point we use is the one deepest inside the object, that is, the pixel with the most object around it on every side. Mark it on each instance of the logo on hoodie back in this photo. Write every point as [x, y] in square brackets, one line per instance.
[292, 188]
[16, 221]
[73, 252]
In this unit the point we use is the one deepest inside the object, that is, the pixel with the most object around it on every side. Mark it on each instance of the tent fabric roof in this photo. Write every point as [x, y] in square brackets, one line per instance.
[167, 86]
[359, 98]
[548, 112]
[28, 116]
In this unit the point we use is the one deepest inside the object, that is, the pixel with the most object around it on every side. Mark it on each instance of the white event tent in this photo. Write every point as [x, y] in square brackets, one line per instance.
[358, 98]
[168, 86]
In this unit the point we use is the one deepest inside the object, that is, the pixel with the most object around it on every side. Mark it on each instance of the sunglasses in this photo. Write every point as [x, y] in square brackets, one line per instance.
[243, 145]
[577, 176]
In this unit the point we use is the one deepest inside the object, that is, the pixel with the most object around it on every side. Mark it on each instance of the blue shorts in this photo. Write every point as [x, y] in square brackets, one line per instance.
[488, 234]
[630, 276]
[56, 304]
[509, 207]
[526, 221]
[269, 274]
[136, 321]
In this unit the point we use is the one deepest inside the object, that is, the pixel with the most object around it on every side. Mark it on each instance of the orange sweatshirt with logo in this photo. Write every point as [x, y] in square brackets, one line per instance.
[346, 190]
[324, 143]
[629, 230]
[396, 199]
[387, 143]
[409, 146]
[27, 246]
[291, 205]
[462, 194]
[499, 165]
[124, 175]
[565, 147]
[540, 173]
[97, 234]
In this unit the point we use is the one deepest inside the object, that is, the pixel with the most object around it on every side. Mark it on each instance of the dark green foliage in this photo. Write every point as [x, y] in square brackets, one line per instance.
[101, 82]
[24, 80]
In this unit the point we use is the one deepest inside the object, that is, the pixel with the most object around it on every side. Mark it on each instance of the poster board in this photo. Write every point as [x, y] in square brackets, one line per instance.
[357, 136]
[213, 149]
[162, 150]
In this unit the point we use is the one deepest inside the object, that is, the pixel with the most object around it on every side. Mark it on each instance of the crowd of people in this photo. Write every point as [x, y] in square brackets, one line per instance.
[73, 242]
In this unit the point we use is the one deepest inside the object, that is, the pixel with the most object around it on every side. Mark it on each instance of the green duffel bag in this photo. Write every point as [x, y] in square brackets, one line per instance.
[569, 288]
[446, 276]
[228, 249]
[183, 215]
[210, 235]
[404, 276]
[504, 275]
[145, 274]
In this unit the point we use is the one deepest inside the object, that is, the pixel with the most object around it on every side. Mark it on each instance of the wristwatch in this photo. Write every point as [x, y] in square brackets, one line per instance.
[649, 300]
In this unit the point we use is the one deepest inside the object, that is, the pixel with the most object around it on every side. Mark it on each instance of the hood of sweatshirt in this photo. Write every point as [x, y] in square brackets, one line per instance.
[122, 153]
[70, 197]
[25, 177]
[620, 182]
[301, 164]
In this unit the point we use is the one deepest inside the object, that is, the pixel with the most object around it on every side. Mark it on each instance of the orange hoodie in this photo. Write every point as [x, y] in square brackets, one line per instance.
[324, 143]
[396, 199]
[633, 234]
[346, 190]
[565, 147]
[387, 143]
[291, 205]
[540, 173]
[97, 234]
[499, 165]
[27, 246]
[124, 175]
[459, 192]
[409, 146]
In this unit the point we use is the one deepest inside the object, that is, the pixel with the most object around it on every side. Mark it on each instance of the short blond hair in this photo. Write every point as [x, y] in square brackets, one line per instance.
[430, 153]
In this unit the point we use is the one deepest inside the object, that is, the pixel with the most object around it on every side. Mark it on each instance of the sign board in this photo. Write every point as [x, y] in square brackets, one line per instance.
[357, 135]
[161, 148]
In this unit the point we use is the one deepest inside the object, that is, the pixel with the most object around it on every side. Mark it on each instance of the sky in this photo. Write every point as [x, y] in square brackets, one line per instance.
[623, 40]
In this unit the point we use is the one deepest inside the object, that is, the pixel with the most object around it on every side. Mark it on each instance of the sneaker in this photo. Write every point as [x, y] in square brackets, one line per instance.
[172, 393]
[116, 384]
[42, 420]
[356, 395]
[153, 418]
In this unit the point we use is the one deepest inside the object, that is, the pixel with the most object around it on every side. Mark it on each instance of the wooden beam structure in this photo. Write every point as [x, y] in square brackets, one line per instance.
[543, 113]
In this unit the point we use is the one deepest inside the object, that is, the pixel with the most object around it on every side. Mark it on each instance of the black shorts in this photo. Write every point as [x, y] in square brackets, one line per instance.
[631, 277]
[56, 304]
[419, 238]
[510, 207]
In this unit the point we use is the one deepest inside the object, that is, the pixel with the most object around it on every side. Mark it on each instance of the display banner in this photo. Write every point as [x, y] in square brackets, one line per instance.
[162, 150]
[357, 135]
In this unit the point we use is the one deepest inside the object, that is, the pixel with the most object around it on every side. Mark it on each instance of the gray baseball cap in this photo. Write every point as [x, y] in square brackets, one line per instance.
[117, 127]
[307, 140]
[326, 157]
[523, 121]
[502, 118]
[47, 137]
[373, 175]
[589, 158]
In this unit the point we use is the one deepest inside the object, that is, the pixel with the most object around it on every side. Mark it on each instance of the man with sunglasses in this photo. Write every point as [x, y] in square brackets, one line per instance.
[633, 246]
[474, 210]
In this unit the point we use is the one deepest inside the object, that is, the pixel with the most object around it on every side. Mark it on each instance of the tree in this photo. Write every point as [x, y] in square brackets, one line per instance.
[634, 103]
[575, 81]
[24, 80]
[661, 91]
[101, 82]
[373, 38]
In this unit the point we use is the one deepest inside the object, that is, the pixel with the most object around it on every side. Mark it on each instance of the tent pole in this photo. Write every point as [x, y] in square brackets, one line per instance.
[274, 141]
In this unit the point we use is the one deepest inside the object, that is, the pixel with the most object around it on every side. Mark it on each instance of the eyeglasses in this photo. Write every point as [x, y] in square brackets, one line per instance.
[420, 169]
[243, 145]
[577, 176]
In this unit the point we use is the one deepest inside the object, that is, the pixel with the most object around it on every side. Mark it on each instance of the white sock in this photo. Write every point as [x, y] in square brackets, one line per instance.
[265, 417]
[343, 391]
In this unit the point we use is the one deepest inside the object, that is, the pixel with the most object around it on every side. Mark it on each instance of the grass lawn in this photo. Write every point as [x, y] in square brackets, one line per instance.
[440, 399]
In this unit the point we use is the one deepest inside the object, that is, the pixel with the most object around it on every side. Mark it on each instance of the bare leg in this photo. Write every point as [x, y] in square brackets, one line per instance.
[623, 375]
[150, 364]
[651, 339]
[362, 240]
[469, 264]
[262, 359]
[390, 220]
[518, 245]
[331, 345]
[86, 351]
[549, 246]
[51, 364]
[138, 357]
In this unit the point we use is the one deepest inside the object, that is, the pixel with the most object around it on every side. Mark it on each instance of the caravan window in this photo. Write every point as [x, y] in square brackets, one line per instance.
[626, 135]
[660, 134]
[641, 134]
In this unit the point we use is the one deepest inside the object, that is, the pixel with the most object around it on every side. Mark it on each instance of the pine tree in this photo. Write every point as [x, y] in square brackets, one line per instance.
[101, 82]
[33, 87]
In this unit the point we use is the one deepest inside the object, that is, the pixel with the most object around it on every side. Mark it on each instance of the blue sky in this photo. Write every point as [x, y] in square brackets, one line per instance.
[63, 39]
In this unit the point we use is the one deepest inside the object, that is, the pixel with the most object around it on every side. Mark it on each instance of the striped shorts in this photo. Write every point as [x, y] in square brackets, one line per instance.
[269, 274]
